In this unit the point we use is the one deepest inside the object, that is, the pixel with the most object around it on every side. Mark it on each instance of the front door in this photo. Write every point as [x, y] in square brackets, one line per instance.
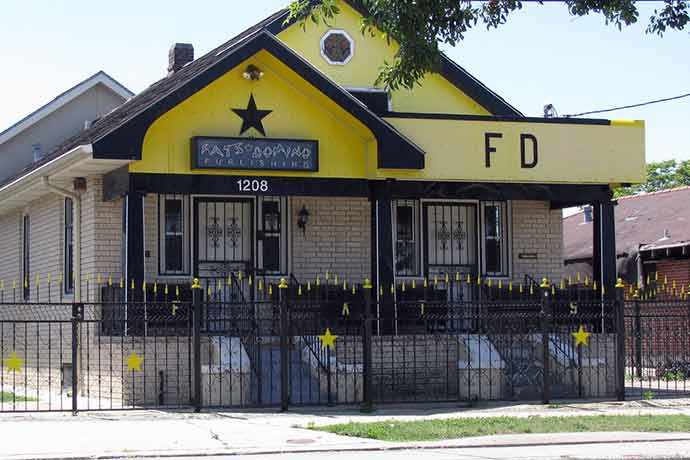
[224, 237]
[451, 247]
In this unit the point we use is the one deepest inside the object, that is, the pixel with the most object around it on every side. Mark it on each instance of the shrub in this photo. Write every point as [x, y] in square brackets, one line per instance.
[673, 371]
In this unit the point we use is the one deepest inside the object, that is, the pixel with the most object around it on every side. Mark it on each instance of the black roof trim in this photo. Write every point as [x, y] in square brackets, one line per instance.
[453, 116]
[126, 140]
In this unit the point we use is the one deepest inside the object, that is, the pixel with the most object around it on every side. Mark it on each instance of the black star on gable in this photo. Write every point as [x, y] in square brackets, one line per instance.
[251, 116]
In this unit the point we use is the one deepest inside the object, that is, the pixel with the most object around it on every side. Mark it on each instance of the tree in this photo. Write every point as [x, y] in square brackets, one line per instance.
[420, 26]
[661, 175]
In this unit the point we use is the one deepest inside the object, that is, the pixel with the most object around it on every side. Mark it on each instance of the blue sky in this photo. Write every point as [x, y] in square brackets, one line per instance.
[541, 56]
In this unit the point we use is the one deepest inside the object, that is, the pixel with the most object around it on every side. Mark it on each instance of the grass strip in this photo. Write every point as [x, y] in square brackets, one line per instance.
[9, 397]
[437, 429]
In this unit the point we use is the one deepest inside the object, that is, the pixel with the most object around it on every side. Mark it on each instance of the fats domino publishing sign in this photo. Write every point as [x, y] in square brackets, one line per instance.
[255, 154]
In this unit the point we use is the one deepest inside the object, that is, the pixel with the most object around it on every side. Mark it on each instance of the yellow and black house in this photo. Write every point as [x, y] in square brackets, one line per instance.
[275, 157]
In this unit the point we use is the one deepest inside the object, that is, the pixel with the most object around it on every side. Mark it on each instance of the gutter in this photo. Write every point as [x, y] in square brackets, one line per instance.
[76, 199]
[79, 152]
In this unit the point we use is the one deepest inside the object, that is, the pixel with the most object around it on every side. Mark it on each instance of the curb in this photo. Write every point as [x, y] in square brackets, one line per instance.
[382, 448]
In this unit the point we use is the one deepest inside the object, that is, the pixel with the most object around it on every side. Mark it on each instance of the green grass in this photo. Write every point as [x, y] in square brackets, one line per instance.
[9, 397]
[431, 430]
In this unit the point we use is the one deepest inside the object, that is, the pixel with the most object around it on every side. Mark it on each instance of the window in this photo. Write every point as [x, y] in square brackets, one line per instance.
[173, 240]
[337, 47]
[496, 242]
[406, 233]
[272, 234]
[26, 268]
[68, 232]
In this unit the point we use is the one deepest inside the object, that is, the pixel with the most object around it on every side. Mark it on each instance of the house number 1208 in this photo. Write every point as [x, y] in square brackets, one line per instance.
[252, 185]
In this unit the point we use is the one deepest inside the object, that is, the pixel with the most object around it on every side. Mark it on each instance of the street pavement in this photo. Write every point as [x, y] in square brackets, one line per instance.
[264, 434]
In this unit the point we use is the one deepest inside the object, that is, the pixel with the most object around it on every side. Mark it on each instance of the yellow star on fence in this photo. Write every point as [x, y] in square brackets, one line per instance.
[134, 362]
[581, 336]
[14, 363]
[328, 339]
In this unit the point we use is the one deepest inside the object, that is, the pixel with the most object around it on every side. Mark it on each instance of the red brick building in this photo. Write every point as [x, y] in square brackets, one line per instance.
[652, 238]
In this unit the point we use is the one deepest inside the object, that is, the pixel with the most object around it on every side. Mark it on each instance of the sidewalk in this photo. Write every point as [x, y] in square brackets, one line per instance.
[156, 434]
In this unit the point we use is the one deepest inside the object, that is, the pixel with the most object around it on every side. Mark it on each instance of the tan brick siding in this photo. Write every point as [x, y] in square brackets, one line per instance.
[101, 239]
[537, 229]
[337, 238]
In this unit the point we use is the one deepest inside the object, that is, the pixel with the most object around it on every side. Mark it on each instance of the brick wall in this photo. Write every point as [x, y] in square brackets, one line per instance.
[101, 238]
[537, 229]
[677, 271]
[337, 238]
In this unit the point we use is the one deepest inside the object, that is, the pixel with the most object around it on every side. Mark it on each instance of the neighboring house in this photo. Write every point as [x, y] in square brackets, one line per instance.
[652, 238]
[37, 134]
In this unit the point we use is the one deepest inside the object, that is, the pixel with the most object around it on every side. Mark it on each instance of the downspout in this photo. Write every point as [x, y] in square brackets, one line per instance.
[76, 199]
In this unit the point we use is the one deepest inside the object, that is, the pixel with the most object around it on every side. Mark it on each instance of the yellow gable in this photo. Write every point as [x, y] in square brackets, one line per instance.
[347, 148]
[434, 94]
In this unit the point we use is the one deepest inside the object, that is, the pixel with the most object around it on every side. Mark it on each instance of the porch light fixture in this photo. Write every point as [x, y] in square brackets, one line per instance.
[303, 219]
[253, 73]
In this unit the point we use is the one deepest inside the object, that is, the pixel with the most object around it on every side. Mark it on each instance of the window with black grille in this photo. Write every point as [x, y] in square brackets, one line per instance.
[496, 251]
[272, 237]
[68, 255]
[406, 218]
[174, 241]
[26, 255]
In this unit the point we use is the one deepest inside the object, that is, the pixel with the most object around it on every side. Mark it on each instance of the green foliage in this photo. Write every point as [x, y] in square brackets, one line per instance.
[11, 397]
[429, 430]
[648, 395]
[661, 175]
[420, 26]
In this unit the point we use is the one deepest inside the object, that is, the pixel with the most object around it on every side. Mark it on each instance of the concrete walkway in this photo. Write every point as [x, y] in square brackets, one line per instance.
[155, 434]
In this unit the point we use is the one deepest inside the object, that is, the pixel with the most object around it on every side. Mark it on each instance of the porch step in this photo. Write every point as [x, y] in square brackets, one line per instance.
[304, 388]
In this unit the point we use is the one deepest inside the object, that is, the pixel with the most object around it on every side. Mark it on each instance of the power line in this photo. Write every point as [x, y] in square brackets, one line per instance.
[629, 106]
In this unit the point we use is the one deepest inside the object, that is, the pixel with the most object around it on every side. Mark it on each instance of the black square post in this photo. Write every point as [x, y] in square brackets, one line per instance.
[604, 247]
[545, 326]
[284, 346]
[196, 342]
[368, 397]
[134, 232]
[383, 265]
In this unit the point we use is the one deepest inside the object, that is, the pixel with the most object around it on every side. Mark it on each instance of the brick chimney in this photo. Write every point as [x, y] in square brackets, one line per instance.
[179, 55]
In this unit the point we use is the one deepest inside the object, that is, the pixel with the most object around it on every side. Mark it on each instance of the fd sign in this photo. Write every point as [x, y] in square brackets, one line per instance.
[529, 149]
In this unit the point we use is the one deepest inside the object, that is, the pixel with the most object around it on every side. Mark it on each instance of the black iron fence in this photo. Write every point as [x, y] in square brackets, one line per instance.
[245, 342]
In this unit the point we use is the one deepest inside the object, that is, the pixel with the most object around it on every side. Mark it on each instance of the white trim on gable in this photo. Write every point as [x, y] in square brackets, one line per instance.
[63, 99]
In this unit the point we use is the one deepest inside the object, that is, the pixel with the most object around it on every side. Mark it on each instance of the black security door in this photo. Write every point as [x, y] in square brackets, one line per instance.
[223, 247]
[451, 248]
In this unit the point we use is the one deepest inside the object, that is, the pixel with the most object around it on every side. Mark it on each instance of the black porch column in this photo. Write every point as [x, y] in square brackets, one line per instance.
[134, 242]
[382, 264]
[604, 253]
